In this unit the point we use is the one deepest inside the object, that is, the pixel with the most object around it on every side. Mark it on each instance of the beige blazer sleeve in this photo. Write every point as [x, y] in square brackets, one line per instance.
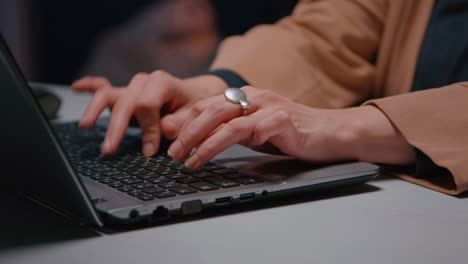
[321, 55]
[436, 122]
[325, 55]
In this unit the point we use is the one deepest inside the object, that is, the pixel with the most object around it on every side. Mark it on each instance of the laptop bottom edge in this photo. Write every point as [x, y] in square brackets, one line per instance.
[193, 208]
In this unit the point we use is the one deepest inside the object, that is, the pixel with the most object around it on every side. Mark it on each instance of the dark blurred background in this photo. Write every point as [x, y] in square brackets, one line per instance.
[59, 41]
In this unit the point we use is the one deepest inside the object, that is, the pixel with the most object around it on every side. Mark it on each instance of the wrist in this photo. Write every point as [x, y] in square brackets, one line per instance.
[373, 138]
[205, 85]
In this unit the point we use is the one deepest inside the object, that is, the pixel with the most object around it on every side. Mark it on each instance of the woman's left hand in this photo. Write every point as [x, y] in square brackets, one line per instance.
[307, 133]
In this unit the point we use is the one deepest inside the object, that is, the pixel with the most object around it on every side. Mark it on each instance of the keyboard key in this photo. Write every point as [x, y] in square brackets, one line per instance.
[169, 185]
[111, 172]
[183, 190]
[107, 180]
[136, 172]
[121, 176]
[166, 172]
[192, 171]
[97, 177]
[116, 163]
[179, 167]
[186, 180]
[235, 175]
[115, 184]
[154, 190]
[124, 167]
[225, 171]
[134, 193]
[101, 168]
[213, 167]
[203, 174]
[131, 181]
[155, 168]
[86, 172]
[145, 197]
[248, 180]
[222, 182]
[142, 185]
[160, 179]
[125, 188]
[177, 175]
[203, 186]
[165, 194]
[145, 175]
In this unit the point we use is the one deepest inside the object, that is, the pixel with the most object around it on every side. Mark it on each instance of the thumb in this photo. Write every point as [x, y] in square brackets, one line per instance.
[171, 124]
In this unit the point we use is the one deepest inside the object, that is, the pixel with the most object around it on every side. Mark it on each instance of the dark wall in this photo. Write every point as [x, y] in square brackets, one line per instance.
[238, 16]
[64, 31]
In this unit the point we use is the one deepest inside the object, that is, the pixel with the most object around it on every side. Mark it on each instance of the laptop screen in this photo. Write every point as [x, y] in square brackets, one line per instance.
[34, 161]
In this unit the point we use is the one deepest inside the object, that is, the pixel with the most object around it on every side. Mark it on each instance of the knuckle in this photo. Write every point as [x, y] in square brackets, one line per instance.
[142, 104]
[214, 108]
[233, 128]
[159, 75]
[268, 95]
[198, 107]
[281, 116]
[102, 93]
[139, 76]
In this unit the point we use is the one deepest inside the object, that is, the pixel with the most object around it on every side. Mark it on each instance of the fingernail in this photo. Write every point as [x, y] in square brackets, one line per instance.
[193, 162]
[175, 149]
[106, 146]
[81, 124]
[149, 149]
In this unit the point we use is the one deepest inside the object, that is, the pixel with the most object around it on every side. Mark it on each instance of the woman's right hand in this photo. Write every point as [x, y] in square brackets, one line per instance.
[145, 98]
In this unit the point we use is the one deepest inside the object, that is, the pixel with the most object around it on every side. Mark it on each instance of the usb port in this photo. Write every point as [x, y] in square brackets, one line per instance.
[223, 200]
[246, 196]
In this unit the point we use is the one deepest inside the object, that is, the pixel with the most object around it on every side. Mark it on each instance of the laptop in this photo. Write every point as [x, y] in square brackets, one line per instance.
[59, 166]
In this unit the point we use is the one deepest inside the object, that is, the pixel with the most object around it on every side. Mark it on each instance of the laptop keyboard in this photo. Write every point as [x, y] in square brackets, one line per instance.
[146, 178]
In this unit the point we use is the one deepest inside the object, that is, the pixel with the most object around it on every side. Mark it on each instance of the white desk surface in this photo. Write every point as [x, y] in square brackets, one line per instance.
[385, 221]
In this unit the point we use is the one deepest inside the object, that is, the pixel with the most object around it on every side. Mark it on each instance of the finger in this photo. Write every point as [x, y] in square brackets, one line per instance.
[121, 115]
[102, 98]
[149, 123]
[90, 84]
[274, 124]
[231, 133]
[171, 124]
[147, 113]
[198, 108]
[212, 115]
[280, 131]
[157, 91]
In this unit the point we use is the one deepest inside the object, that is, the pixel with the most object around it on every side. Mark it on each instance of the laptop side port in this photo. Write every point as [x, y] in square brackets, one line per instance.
[246, 196]
[160, 212]
[223, 200]
[191, 207]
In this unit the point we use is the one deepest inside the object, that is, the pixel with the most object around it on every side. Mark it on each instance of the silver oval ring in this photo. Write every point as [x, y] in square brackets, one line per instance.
[237, 96]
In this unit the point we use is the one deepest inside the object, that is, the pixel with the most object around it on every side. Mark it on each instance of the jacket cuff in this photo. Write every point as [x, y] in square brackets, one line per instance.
[431, 121]
[425, 168]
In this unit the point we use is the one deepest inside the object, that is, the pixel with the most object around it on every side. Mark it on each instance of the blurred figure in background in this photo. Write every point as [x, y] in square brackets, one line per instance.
[58, 41]
[178, 36]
